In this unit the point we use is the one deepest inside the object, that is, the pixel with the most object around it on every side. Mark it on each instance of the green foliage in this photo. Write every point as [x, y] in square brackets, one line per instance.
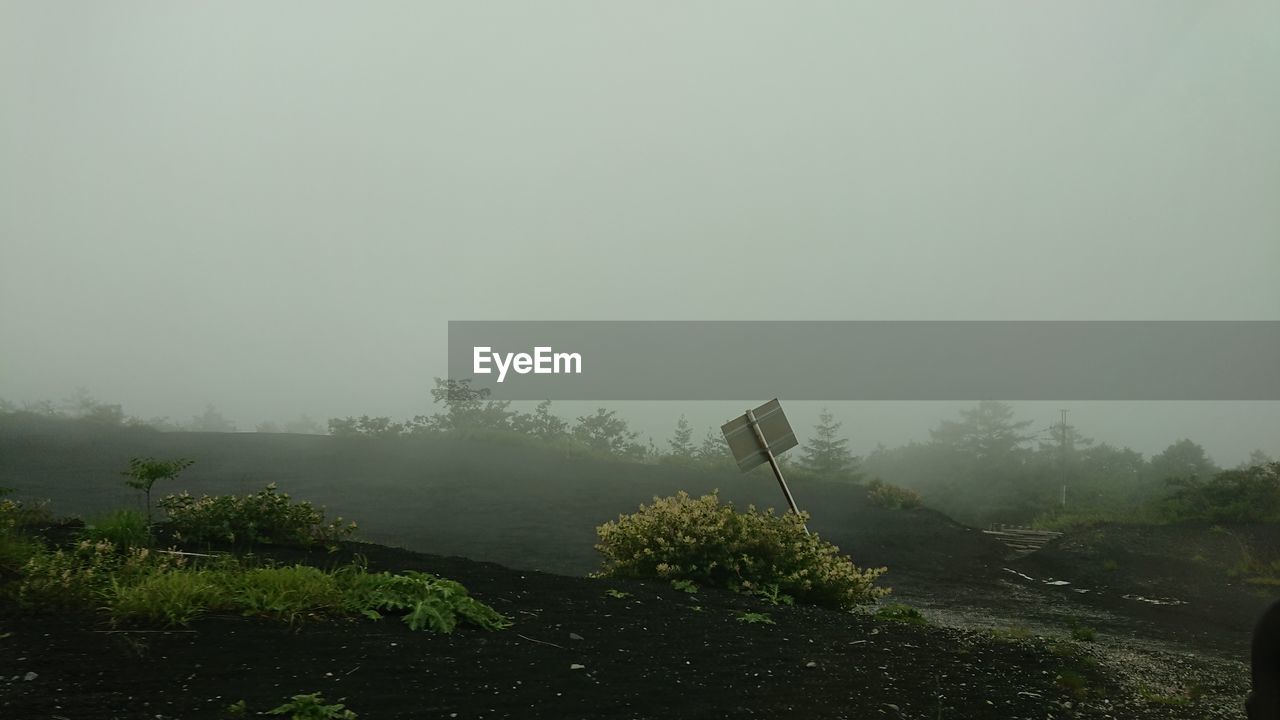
[167, 597]
[898, 612]
[541, 424]
[365, 426]
[77, 578]
[1073, 683]
[15, 548]
[429, 602]
[143, 473]
[617, 594]
[885, 495]
[1081, 633]
[714, 451]
[140, 585]
[1232, 496]
[687, 586]
[605, 432]
[704, 541]
[313, 707]
[755, 618]
[16, 514]
[773, 595]
[681, 442]
[122, 528]
[289, 594]
[827, 454]
[264, 517]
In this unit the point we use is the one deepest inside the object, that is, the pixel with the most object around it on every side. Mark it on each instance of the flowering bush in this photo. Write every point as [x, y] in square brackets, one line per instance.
[17, 514]
[266, 516]
[702, 540]
[76, 579]
[892, 496]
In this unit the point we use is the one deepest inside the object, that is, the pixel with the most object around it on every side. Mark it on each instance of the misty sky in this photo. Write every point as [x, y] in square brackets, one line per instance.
[276, 207]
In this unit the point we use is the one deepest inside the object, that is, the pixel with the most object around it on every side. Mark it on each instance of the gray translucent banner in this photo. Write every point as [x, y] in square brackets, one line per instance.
[868, 360]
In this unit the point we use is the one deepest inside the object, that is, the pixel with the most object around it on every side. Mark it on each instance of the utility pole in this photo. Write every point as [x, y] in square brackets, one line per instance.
[1062, 444]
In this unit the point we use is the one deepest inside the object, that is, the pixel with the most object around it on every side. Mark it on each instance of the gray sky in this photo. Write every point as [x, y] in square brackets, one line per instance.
[275, 207]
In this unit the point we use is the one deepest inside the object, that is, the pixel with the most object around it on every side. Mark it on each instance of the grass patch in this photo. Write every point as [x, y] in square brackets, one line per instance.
[142, 586]
[898, 612]
[122, 528]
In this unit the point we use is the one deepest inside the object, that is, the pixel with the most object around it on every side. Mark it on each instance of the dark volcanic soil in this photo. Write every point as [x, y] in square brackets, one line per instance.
[657, 654]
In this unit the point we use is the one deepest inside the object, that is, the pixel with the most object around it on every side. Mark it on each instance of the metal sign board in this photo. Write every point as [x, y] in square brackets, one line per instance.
[745, 446]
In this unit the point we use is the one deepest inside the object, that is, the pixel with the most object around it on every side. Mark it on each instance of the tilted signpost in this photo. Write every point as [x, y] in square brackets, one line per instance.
[759, 436]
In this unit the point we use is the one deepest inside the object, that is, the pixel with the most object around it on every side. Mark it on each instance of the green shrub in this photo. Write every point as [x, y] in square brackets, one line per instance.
[704, 541]
[885, 495]
[1232, 496]
[898, 612]
[15, 514]
[428, 602]
[264, 517]
[1080, 633]
[77, 578]
[15, 548]
[313, 707]
[122, 528]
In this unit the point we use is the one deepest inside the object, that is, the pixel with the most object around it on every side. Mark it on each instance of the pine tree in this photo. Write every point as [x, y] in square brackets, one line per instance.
[682, 441]
[714, 449]
[827, 454]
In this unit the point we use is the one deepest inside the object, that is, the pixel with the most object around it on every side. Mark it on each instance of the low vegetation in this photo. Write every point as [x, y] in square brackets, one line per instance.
[114, 569]
[893, 497]
[266, 517]
[898, 612]
[313, 707]
[709, 543]
[144, 473]
[123, 528]
[151, 587]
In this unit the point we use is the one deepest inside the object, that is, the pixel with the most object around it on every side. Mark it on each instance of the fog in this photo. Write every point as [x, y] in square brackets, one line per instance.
[277, 208]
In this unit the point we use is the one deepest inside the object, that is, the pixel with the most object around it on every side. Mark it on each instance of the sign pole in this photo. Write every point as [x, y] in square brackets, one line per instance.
[773, 463]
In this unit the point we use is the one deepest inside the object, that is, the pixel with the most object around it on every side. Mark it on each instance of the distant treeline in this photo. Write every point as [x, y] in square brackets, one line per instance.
[985, 466]
[84, 407]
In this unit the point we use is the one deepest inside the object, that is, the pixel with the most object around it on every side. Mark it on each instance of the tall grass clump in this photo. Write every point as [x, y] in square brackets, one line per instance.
[710, 543]
[122, 528]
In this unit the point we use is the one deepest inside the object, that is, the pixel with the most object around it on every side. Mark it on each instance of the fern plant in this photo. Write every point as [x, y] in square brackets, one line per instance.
[313, 707]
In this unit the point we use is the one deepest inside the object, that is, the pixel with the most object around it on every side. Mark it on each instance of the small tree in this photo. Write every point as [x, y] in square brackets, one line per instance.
[682, 441]
[714, 449]
[144, 472]
[541, 423]
[827, 454]
[606, 432]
